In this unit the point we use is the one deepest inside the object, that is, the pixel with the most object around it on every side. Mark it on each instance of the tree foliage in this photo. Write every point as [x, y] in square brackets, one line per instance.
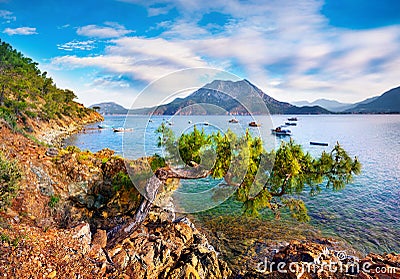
[9, 179]
[262, 179]
[26, 92]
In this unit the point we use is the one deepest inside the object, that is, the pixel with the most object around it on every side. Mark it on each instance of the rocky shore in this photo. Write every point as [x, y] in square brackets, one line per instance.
[54, 132]
[69, 199]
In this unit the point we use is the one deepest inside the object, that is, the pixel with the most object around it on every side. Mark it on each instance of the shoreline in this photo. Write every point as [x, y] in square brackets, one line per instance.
[57, 133]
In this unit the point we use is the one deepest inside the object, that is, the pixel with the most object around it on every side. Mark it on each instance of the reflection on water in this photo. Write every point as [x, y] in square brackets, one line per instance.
[366, 213]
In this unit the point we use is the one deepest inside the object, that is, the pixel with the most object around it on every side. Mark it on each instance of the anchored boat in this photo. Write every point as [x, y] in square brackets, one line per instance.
[318, 143]
[281, 132]
[254, 124]
[121, 130]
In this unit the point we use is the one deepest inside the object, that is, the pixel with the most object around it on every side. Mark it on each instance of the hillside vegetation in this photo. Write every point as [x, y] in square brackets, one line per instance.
[28, 95]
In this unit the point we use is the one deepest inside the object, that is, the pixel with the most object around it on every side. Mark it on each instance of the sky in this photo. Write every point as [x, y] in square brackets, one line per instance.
[110, 50]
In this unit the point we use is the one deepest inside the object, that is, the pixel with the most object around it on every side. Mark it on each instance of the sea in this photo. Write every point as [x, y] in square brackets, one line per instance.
[366, 214]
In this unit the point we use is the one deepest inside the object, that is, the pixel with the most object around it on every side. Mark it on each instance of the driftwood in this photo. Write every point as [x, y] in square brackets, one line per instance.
[119, 233]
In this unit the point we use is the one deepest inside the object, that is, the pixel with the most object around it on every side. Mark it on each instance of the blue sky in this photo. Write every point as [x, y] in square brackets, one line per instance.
[293, 50]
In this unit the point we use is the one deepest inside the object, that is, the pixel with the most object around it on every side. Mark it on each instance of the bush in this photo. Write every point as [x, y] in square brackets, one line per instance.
[9, 180]
[157, 162]
[53, 201]
[73, 149]
[122, 180]
[8, 116]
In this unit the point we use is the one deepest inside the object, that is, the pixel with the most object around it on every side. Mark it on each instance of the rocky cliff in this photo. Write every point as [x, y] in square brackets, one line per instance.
[68, 199]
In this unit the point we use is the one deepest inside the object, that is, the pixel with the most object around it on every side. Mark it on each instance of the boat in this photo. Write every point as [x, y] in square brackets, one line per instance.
[103, 126]
[206, 123]
[190, 122]
[281, 132]
[233, 120]
[290, 123]
[170, 123]
[319, 143]
[292, 119]
[121, 130]
[254, 124]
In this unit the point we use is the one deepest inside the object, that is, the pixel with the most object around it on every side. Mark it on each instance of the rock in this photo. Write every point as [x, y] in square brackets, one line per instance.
[100, 238]
[11, 213]
[168, 250]
[52, 152]
[83, 234]
[45, 184]
[78, 192]
[52, 274]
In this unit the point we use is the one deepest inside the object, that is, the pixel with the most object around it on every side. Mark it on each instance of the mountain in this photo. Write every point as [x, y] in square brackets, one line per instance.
[331, 105]
[244, 98]
[109, 108]
[388, 102]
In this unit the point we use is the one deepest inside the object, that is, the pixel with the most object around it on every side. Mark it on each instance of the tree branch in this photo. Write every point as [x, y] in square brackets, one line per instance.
[119, 233]
[283, 187]
[184, 173]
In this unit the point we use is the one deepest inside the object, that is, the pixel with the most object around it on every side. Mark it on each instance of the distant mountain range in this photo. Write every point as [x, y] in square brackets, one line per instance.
[244, 97]
[109, 108]
[333, 105]
[330, 105]
[388, 102]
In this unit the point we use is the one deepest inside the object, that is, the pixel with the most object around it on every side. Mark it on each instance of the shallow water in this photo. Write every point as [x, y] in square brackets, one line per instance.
[366, 213]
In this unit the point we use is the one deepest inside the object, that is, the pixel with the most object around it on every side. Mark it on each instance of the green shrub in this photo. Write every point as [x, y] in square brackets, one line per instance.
[9, 179]
[8, 116]
[73, 149]
[121, 179]
[53, 201]
[157, 162]
[31, 114]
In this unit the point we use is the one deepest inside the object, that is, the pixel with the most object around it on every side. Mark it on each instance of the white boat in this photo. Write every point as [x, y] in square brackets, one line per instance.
[233, 120]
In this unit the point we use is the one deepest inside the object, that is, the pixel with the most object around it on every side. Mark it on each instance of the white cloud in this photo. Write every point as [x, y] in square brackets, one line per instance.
[20, 31]
[7, 16]
[110, 30]
[64, 26]
[182, 29]
[142, 59]
[77, 45]
[155, 11]
[109, 82]
[287, 47]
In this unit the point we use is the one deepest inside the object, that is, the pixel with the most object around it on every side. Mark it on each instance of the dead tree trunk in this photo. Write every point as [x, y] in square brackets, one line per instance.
[120, 232]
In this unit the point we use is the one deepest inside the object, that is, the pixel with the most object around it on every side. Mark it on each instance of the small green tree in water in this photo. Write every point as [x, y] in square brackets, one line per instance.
[262, 179]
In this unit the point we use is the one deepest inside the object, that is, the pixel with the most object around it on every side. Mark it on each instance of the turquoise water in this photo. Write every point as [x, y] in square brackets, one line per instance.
[366, 213]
